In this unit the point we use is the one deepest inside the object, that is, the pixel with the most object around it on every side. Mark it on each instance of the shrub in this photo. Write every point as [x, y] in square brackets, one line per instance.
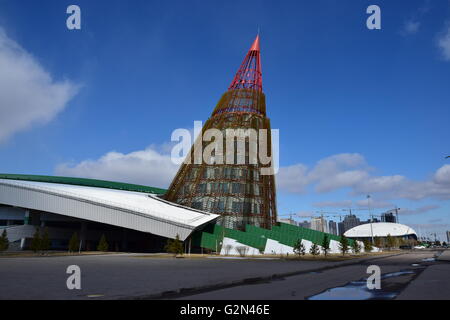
[45, 241]
[4, 242]
[390, 242]
[227, 249]
[174, 246]
[367, 246]
[242, 251]
[343, 245]
[325, 244]
[36, 241]
[103, 244]
[74, 243]
[356, 247]
[314, 250]
[299, 248]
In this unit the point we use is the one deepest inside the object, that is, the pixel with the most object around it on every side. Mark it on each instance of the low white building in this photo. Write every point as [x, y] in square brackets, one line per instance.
[381, 230]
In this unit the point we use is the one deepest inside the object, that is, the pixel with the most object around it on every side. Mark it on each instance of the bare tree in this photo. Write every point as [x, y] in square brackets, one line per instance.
[242, 251]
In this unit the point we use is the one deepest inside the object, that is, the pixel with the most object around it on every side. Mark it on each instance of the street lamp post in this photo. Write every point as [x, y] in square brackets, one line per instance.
[371, 218]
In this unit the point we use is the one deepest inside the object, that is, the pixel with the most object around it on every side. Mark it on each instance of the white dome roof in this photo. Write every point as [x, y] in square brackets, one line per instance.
[380, 229]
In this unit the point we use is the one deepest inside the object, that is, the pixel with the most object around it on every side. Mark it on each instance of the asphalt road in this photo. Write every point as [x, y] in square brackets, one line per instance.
[128, 276]
[406, 276]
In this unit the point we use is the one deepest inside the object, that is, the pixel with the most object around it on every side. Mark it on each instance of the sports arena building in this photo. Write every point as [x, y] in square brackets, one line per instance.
[132, 217]
[381, 230]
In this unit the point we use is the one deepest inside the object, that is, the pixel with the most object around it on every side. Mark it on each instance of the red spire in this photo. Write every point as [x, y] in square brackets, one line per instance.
[255, 45]
[249, 75]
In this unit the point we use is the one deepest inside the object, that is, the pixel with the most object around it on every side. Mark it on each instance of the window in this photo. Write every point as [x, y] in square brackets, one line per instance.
[221, 206]
[197, 205]
[236, 188]
[223, 187]
[201, 188]
[237, 207]
[247, 207]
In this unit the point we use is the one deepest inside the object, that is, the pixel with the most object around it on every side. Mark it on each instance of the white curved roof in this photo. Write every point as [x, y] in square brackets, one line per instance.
[380, 229]
[128, 209]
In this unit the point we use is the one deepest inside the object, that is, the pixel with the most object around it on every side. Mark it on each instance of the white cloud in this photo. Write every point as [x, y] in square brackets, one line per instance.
[337, 171]
[380, 184]
[28, 94]
[293, 178]
[351, 171]
[146, 167]
[442, 175]
[443, 42]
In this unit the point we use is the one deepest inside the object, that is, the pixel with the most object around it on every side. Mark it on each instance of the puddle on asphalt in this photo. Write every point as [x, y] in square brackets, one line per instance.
[357, 290]
[429, 259]
[395, 274]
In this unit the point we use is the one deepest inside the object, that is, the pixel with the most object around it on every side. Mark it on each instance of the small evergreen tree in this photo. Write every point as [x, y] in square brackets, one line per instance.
[299, 248]
[36, 241]
[45, 241]
[174, 246]
[378, 243]
[356, 247]
[390, 242]
[314, 250]
[74, 243]
[326, 244]
[368, 246]
[103, 244]
[343, 245]
[4, 242]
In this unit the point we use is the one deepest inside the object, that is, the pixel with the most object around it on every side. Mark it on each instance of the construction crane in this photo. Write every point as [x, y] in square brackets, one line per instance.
[330, 214]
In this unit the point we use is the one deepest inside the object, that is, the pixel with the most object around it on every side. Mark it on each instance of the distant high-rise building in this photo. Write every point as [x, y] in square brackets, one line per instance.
[341, 228]
[319, 224]
[288, 221]
[448, 237]
[374, 220]
[305, 224]
[332, 227]
[388, 217]
[350, 221]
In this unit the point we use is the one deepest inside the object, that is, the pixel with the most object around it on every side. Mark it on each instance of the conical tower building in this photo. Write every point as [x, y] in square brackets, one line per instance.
[230, 181]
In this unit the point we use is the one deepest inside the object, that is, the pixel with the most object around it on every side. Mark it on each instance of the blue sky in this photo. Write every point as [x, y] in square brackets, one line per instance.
[359, 111]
